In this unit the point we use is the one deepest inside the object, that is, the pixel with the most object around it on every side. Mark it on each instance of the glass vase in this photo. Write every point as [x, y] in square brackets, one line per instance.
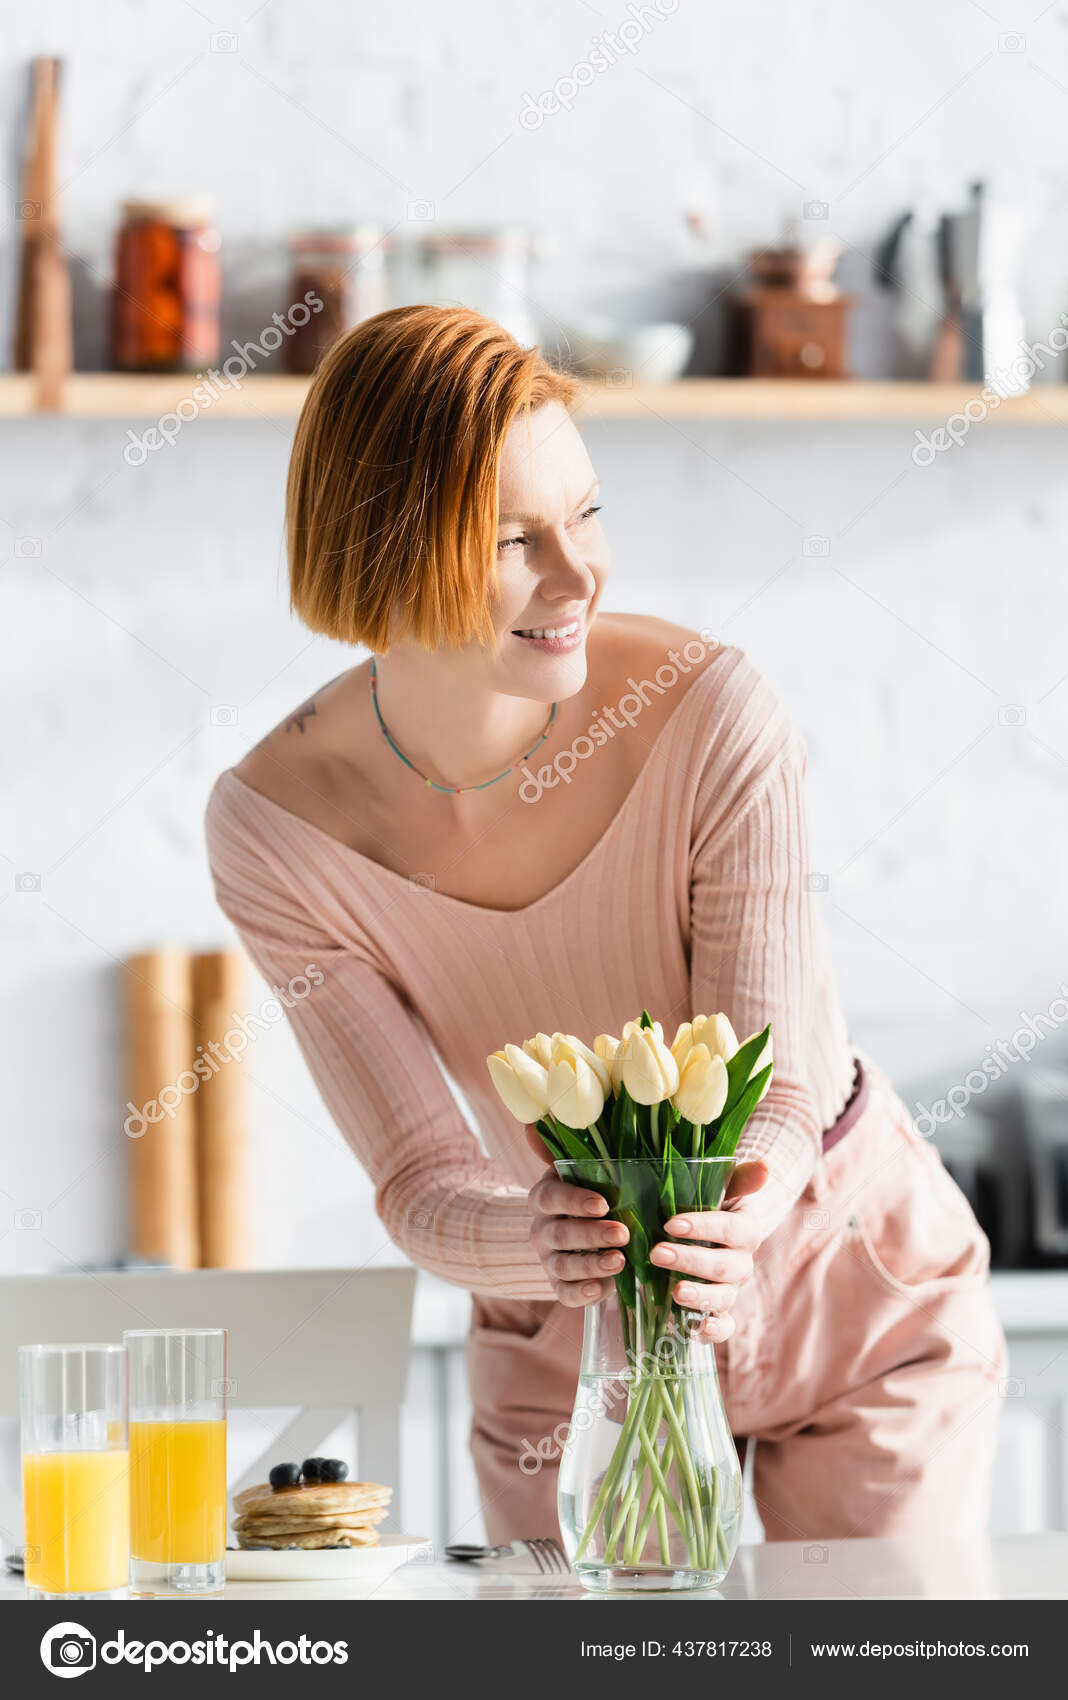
[650, 1488]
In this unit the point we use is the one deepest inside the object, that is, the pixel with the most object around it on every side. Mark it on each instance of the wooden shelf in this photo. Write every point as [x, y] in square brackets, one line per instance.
[105, 395]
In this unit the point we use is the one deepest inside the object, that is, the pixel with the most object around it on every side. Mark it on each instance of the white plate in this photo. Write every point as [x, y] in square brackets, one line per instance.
[362, 1565]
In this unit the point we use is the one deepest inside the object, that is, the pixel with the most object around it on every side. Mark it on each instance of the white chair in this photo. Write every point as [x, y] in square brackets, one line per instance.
[329, 1341]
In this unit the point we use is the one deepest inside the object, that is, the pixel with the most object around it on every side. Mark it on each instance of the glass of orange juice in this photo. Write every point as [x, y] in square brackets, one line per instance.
[75, 1472]
[177, 1390]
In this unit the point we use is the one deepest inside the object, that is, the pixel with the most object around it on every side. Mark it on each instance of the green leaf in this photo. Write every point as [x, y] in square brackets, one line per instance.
[740, 1068]
[646, 1020]
[625, 1287]
[685, 1186]
[730, 1125]
[576, 1146]
[550, 1141]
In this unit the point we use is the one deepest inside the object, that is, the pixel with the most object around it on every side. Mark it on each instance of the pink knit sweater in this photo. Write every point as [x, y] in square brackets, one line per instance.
[694, 900]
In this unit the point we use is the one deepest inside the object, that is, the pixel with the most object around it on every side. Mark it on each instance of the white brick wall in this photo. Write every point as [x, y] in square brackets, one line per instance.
[159, 591]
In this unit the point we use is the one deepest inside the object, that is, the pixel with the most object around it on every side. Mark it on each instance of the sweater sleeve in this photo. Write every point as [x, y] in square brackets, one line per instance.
[450, 1208]
[752, 931]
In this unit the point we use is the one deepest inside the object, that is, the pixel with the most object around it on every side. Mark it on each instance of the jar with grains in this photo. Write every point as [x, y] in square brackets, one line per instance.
[165, 305]
[340, 275]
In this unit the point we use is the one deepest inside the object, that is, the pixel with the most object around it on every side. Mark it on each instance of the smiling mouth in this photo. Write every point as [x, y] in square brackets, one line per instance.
[543, 633]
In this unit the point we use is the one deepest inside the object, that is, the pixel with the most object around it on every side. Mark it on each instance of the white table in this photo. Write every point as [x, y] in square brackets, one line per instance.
[1009, 1567]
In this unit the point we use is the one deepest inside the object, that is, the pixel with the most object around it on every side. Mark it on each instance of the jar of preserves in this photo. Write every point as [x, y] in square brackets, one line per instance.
[165, 306]
[341, 276]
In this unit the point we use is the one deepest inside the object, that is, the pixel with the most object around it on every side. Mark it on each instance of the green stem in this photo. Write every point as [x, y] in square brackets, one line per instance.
[618, 1462]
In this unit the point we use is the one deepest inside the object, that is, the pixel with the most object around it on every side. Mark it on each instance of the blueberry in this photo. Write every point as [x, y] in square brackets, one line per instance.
[311, 1467]
[284, 1475]
[333, 1470]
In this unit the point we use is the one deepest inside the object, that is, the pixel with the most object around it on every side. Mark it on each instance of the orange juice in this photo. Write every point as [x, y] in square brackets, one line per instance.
[77, 1521]
[178, 1492]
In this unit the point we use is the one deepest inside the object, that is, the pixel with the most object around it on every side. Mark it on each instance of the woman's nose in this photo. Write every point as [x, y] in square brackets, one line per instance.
[566, 573]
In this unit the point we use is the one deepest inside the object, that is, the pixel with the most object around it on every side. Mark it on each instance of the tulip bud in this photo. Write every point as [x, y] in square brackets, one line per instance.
[611, 1052]
[521, 1081]
[540, 1048]
[716, 1032]
[702, 1088]
[575, 1094]
[650, 1072]
[566, 1046]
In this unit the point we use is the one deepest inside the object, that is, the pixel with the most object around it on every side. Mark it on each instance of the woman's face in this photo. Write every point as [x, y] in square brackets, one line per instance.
[552, 559]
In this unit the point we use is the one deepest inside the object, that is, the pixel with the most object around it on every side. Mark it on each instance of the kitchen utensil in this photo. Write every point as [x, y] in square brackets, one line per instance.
[364, 1566]
[548, 1556]
[161, 1116]
[224, 1185]
[177, 1402]
[43, 334]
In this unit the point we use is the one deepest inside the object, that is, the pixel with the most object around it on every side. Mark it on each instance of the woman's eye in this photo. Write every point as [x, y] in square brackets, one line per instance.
[588, 513]
[510, 543]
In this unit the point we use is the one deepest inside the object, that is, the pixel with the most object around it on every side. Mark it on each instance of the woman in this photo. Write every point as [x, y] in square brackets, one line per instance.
[524, 814]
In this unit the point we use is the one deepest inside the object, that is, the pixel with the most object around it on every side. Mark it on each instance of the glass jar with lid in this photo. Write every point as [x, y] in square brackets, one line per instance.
[484, 268]
[165, 303]
[341, 276]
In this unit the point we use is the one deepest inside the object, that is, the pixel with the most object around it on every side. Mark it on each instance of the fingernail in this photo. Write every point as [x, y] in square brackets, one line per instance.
[685, 1292]
[682, 1225]
[594, 1206]
[592, 1290]
[611, 1261]
[664, 1254]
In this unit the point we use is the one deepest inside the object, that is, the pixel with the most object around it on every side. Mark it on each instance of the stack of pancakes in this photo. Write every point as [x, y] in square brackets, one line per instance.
[311, 1514]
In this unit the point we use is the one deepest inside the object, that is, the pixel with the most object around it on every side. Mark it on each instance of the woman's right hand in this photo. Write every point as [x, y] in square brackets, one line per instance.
[575, 1243]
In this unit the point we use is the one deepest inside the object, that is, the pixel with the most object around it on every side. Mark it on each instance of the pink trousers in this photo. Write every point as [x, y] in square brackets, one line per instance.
[864, 1368]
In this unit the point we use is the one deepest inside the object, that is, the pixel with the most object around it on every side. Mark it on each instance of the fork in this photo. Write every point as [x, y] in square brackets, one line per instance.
[549, 1557]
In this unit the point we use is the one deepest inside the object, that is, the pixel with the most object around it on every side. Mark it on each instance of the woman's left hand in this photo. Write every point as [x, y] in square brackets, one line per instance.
[723, 1261]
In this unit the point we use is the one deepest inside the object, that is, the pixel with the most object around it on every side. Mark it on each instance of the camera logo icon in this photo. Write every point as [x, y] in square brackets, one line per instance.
[68, 1649]
[421, 211]
[1012, 714]
[815, 1554]
[224, 714]
[1012, 42]
[27, 209]
[816, 209]
[223, 42]
[816, 546]
[817, 882]
[27, 881]
[618, 379]
[27, 548]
